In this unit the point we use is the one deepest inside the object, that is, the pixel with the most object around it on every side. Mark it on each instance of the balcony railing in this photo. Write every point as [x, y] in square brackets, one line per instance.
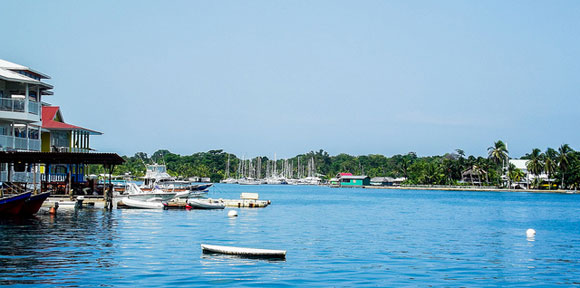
[17, 143]
[33, 107]
[71, 149]
[17, 105]
[62, 177]
[21, 177]
[12, 105]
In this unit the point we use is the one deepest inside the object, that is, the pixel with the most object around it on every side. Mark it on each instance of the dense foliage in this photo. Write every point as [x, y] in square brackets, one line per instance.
[561, 165]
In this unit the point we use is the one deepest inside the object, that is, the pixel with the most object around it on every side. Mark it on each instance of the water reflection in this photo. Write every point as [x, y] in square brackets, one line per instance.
[47, 249]
[218, 256]
[376, 238]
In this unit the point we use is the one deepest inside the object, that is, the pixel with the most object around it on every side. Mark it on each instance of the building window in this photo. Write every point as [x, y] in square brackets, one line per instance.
[33, 134]
[59, 139]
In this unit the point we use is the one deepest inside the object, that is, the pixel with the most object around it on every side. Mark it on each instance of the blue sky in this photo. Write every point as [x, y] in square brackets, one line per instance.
[287, 77]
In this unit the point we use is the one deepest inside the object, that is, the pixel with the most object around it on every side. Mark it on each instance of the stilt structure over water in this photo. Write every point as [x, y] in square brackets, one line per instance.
[31, 159]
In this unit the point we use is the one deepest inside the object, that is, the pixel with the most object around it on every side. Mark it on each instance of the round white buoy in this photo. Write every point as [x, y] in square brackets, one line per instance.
[530, 233]
[232, 213]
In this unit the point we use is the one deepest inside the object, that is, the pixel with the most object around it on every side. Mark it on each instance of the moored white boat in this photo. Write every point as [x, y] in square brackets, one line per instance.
[249, 181]
[229, 181]
[156, 177]
[143, 204]
[206, 203]
[135, 192]
[241, 251]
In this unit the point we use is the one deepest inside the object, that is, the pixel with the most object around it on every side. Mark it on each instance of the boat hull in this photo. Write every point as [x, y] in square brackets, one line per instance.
[33, 204]
[206, 204]
[243, 252]
[142, 204]
[11, 205]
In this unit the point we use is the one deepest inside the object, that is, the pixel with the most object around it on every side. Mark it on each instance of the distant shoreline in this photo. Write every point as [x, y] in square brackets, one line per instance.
[475, 189]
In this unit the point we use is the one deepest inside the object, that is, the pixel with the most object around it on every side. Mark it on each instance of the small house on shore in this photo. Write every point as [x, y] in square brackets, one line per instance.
[336, 180]
[474, 175]
[387, 181]
[354, 181]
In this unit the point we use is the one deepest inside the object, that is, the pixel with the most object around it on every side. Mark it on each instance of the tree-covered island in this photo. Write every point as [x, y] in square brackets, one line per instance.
[560, 167]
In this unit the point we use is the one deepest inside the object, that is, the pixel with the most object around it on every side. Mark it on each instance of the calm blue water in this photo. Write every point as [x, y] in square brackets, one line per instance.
[334, 237]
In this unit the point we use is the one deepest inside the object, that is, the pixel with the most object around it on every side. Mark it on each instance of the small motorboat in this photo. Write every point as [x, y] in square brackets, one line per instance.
[244, 252]
[151, 203]
[198, 194]
[206, 203]
[135, 192]
[33, 204]
[199, 187]
[12, 204]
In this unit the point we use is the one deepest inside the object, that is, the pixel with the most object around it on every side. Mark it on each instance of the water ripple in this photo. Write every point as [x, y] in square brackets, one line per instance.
[334, 237]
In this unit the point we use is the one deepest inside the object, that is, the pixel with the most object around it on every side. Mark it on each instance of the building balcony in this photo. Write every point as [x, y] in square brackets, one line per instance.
[12, 105]
[18, 143]
[20, 177]
[15, 109]
[62, 178]
[34, 108]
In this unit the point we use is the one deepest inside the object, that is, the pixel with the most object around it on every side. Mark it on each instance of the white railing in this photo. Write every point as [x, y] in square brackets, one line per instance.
[6, 141]
[17, 143]
[71, 149]
[12, 105]
[21, 177]
[61, 177]
[20, 143]
[33, 107]
[34, 144]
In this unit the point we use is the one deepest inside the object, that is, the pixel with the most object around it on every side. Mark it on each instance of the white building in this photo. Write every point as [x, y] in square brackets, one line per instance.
[528, 177]
[21, 91]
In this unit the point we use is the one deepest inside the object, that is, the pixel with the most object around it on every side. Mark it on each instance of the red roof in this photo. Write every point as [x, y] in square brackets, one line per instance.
[49, 113]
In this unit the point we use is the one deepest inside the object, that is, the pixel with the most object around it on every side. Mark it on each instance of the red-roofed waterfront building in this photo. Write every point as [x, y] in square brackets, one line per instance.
[59, 136]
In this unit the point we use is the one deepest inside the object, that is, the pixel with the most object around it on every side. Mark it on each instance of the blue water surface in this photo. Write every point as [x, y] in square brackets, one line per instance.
[334, 237]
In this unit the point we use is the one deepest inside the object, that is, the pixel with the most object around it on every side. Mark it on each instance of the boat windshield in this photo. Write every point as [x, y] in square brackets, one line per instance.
[157, 168]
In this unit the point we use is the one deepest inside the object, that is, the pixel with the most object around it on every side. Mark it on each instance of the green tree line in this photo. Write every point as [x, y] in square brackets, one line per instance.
[561, 164]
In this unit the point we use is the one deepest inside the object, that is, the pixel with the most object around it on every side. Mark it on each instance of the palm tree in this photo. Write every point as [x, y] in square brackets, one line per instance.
[406, 162]
[498, 152]
[515, 174]
[535, 164]
[563, 159]
[432, 173]
[550, 164]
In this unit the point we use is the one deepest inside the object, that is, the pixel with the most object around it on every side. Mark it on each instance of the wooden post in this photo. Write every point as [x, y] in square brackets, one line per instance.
[9, 177]
[111, 186]
[110, 191]
[108, 188]
[34, 180]
[70, 191]
[46, 176]
[2, 184]
[105, 188]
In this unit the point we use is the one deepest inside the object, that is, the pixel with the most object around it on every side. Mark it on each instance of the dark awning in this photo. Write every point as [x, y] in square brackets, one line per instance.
[60, 158]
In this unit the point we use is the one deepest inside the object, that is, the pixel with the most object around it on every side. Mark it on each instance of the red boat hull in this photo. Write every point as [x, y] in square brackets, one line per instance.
[33, 204]
[11, 205]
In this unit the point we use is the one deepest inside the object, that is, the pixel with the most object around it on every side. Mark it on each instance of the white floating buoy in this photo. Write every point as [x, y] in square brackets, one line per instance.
[530, 233]
[232, 213]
